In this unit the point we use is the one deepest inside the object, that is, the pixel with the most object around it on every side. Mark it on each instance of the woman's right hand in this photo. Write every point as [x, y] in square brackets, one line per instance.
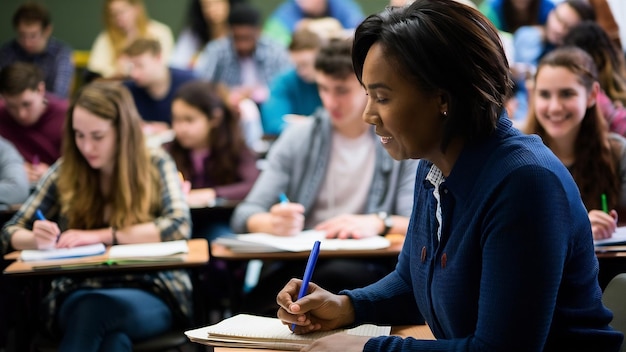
[45, 233]
[603, 225]
[319, 310]
[287, 219]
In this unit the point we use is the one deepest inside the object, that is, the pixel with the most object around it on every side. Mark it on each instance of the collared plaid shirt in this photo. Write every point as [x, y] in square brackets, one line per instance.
[219, 62]
[55, 62]
[172, 218]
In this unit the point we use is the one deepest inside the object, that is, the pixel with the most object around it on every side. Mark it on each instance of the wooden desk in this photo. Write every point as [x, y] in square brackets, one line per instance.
[421, 332]
[611, 251]
[30, 281]
[198, 255]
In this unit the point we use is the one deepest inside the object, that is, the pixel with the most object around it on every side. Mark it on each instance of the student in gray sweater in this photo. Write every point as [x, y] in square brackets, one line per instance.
[337, 177]
[13, 179]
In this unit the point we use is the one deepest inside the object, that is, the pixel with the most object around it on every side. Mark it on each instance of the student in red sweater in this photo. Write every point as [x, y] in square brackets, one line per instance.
[31, 119]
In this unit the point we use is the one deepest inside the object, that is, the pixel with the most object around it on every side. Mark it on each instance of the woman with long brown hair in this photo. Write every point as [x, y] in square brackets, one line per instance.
[565, 114]
[209, 148]
[107, 188]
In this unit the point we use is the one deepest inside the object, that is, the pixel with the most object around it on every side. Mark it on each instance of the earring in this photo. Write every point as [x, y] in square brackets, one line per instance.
[444, 114]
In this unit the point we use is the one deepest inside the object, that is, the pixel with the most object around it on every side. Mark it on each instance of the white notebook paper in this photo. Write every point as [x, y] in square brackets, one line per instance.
[143, 250]
[62, 253]
[252, 331]
[263, 242]
[618, 237]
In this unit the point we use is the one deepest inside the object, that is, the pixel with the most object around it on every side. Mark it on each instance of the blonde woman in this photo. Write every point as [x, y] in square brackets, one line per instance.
[125, 21]
[107, 187]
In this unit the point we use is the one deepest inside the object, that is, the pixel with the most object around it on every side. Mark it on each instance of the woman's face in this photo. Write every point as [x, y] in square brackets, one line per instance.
[191, 126]
[215, 11]
[560, 20]
[124, 14]
[407, 120]
[95, 138]
[560, 101]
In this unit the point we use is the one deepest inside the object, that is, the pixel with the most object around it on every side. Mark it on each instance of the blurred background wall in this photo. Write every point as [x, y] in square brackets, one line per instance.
[77, 22]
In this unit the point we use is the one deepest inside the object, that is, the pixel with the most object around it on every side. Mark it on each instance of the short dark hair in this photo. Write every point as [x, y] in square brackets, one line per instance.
[335, 58]
[31, 12]
[244, 14]
[444, 45]
[143, 45]
[18, 77]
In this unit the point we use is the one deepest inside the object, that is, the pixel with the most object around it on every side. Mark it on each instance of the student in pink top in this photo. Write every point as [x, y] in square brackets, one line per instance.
[209, 150]
[31, 119]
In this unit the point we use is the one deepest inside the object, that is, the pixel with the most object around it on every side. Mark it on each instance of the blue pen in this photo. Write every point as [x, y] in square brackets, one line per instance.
[283, 198]
[308, 272]
[40, 216]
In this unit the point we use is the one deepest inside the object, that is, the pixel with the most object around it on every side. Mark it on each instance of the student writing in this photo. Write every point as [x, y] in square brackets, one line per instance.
[107, 187]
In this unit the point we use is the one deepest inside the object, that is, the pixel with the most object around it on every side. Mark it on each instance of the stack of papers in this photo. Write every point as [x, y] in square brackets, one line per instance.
[62, 253]
[263, 242]
[250, 331]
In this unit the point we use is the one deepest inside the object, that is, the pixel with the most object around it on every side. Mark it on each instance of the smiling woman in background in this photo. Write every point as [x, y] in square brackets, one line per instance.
[567, 117]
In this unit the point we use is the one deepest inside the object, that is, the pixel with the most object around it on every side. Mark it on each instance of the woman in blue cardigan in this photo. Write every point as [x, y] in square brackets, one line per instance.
[499, 253]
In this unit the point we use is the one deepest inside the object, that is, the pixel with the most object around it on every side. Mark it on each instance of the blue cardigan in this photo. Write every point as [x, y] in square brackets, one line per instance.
[515, 269]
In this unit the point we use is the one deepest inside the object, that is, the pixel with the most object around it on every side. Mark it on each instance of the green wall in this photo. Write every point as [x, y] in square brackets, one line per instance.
[77, 22]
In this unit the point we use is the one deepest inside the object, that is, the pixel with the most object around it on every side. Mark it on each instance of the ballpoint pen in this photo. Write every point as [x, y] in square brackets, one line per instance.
[308, 272]
[605, 206]
[283, 198]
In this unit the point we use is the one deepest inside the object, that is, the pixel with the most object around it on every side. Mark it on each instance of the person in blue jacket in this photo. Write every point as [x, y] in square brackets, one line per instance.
[499, 253]
[290, 14]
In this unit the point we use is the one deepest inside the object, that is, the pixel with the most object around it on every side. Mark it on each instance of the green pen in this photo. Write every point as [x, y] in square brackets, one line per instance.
[605, 206]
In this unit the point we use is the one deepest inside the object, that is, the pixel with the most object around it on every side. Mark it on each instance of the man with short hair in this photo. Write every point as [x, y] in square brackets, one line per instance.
[244, 61]
[338, 178]
[294, 91]
[31, 119]
[35, 45]
[152, 83]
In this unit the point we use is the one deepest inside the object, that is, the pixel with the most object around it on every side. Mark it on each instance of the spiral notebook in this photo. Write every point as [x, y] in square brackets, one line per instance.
[251, 331]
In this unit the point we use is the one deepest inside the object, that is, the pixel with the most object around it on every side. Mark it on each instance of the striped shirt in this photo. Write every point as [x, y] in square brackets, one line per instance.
[55, 62]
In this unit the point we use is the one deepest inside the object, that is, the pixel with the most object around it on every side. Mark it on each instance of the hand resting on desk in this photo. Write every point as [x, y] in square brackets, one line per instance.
[351, 226]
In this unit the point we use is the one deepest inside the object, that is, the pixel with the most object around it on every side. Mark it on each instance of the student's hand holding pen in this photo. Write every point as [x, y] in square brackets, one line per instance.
[45, 233]
[603, 224]
[35, 171]
[287, 219]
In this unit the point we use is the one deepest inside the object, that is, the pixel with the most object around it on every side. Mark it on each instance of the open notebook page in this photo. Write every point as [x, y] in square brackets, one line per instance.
[618, 237]
[263, 242]
[157, 249]
[62, 253]
[255, 331]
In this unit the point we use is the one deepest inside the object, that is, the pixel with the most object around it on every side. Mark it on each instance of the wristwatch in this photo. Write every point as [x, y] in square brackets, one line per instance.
[387, 221]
